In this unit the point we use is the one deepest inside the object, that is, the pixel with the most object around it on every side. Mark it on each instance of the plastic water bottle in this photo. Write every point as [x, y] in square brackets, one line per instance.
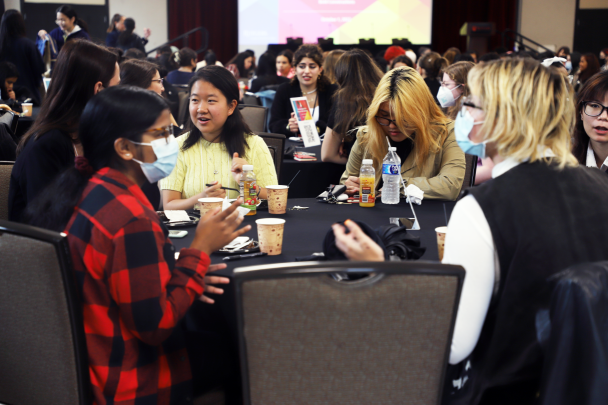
[391, 176]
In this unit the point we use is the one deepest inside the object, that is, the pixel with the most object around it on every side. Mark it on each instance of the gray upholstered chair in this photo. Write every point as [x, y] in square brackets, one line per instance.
[306, 338]
[276, 144]
[5, 178]
[184, 100]
[255, 116]
[43, 355]
[470, 171]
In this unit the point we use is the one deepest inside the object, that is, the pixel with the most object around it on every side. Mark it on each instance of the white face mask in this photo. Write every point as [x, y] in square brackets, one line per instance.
[446, 97]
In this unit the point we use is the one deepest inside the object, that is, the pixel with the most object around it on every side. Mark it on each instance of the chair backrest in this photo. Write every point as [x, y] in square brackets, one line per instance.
[183, 95]
[43, 357]
[255, 116]
[250, 99]
[276, 144]
[470, 171]
[306, 338]
[5, 179]
[573, 334]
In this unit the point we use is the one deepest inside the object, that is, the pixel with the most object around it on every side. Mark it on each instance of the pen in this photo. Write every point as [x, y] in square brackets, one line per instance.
[248, 255]
[224, 188]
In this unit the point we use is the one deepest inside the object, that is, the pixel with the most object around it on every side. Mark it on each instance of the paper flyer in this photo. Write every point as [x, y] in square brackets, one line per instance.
[308, 127]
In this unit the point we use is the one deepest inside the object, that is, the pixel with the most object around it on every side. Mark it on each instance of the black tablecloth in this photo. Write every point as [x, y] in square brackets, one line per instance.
[314, 177]
[306, 229]
[213, 328]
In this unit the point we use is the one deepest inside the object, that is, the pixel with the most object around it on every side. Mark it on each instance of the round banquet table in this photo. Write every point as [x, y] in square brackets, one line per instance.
[212, 329]
[306, 229]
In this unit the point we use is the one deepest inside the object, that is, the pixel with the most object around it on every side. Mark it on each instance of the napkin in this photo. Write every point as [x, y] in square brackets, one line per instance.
[415, 193]
[177, 215]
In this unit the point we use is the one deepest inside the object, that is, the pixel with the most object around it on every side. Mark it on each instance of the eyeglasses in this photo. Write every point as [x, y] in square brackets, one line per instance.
[164, 131]
[161, 81]
[593, 109]
[385, 122]
[466, 102]
[59, 22]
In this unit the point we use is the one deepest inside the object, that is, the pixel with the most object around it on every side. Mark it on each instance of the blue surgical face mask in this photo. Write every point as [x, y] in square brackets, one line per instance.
[569, 66]
[462, 128]
[166, 151]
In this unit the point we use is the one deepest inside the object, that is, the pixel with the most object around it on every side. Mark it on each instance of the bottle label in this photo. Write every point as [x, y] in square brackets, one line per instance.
[367, 193]
[390, 169]
[249, 192]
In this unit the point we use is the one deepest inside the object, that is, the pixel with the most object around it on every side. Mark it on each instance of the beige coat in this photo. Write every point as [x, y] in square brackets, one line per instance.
[440, 177]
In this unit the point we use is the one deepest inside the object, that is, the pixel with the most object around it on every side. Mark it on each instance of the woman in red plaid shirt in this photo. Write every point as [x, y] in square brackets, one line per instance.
[134, 293]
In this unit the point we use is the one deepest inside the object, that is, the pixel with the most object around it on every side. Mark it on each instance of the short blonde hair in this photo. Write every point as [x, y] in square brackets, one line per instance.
[528, 108]
[414, 110]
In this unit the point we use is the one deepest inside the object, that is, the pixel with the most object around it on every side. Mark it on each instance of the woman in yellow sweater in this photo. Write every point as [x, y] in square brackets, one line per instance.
[218, 144]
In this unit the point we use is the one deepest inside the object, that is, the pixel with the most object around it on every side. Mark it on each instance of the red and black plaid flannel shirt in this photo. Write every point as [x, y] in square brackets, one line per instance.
[134, 294]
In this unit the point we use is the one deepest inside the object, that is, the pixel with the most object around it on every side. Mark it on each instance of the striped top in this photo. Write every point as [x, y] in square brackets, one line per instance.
[206, 162]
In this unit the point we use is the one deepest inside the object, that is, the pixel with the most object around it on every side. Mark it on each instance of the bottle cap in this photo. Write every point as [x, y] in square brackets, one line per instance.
[247, 167]
[368, 161]
[392, 148]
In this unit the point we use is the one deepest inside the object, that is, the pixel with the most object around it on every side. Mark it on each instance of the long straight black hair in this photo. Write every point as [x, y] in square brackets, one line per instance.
[235, 128]
[118, 112]
[12, 27]
[125, 37]
[79, 66]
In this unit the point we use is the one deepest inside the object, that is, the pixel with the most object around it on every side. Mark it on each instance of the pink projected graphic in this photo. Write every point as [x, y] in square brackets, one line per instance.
[312, 18]
[348, 20]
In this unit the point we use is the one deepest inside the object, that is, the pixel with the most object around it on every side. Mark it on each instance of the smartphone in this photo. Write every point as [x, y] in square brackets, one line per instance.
[408, 223]
[177, 234]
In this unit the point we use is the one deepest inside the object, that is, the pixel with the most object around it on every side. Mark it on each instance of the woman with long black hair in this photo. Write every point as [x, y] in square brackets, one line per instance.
[69, 27]
[83, 69]
[16, 48]
[134, 292]
[310, 82]
[216, 146]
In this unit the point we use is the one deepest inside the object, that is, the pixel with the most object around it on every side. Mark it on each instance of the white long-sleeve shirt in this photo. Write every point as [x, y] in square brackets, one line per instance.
[469, 243]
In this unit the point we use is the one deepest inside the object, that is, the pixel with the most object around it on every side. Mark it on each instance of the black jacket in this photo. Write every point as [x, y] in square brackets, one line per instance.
[134, 41]
[37, 165]
[281, 107]
[24, 54]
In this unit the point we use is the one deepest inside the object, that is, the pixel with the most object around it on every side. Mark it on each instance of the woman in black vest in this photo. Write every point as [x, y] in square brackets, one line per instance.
[540, 214]
[309, 82]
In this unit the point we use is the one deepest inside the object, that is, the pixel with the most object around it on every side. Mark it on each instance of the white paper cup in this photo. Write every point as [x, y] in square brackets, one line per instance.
[209, 203]
[441, 231]
[29, 107]
[270, 235]
[277, 199]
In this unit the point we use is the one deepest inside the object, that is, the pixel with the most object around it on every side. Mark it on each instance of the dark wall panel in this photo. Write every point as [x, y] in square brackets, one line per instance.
[589, 35]
[220, 17]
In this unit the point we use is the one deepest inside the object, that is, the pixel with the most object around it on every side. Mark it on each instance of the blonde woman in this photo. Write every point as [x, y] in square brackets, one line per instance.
[540, 214]
[404, 111]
